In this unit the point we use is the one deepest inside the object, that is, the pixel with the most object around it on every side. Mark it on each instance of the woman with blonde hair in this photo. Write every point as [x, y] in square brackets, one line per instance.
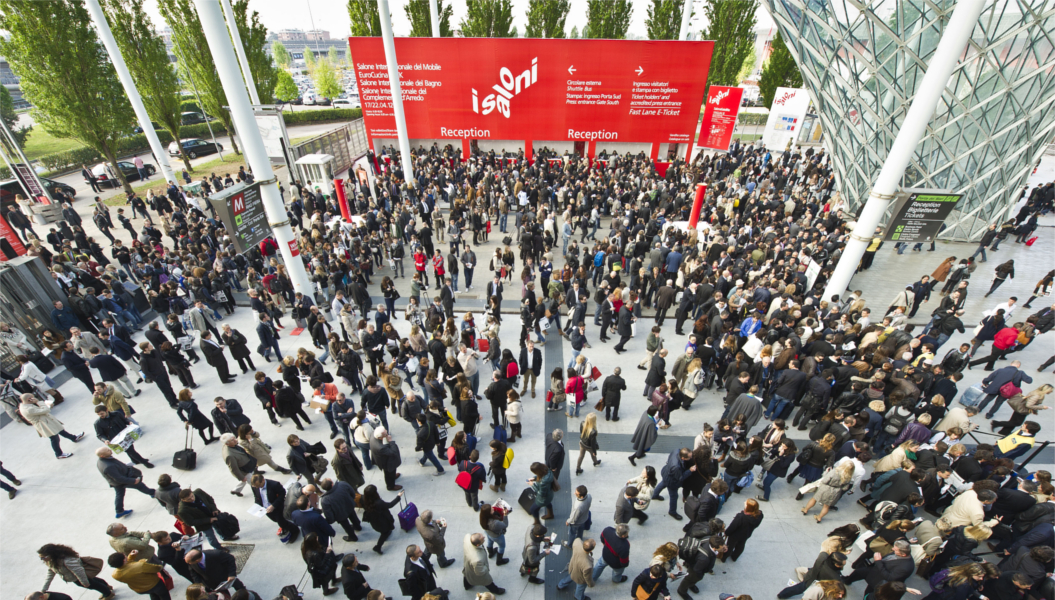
[825, 590]
[964, 581]
[666, 556]
[832, 486]
[1023, 405]
[588, 441]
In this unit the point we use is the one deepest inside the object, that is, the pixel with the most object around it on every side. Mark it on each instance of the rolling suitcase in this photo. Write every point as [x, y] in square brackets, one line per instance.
[186, 459]
[972, 396]
[408, 515]
[527, 498]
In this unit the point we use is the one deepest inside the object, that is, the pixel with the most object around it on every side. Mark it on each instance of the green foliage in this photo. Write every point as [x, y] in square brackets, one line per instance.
[286, 88]
[148, 62]
[488, 18]
[574, 33]
[752, 118]
[748, 67]
[325, 78]
[195, 59]
[65, 72]
[421, 19]
[281, 55]
[664, 19]
[322, 116]
[366, 19]
[7, 113]
[254, 40]
[779, 70]
[189, 106]
[607, 19]
[730, 24]
[309, 60]
[546, 18]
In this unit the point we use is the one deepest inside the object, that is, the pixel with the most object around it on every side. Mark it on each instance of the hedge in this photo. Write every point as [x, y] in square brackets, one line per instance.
[752, 119]
[60, 161]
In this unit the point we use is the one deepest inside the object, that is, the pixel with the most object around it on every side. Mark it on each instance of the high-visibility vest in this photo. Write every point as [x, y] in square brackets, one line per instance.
[1013, 441]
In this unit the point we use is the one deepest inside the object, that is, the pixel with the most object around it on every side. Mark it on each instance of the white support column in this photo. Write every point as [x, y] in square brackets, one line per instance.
[102, 26]
[239, 49]
[434, 14]
[252, 145]
[686, 16]
[953, 41]
[397, 92]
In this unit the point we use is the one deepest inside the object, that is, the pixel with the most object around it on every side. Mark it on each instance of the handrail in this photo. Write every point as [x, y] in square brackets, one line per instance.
[1036, 451]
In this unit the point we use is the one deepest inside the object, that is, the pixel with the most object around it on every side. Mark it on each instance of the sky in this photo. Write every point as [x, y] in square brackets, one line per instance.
[332, 15]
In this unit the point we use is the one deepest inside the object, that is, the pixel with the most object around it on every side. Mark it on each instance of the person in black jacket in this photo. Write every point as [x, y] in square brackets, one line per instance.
[420, 575]
[555, 453]
[378, 514]
[674, 473]
[611, 392]
[615, 552]
[786, 390]
[352, 580]
[654, 581]
[213, 352]
[427, 438]
[272, 496]
[153, 365]
[77, 366]
[109, 424]
[744, 524]
[700, 565]
[778, 468]
[301, 456]
[228, 416]
[188, 412]
[178, 364]
[120, 476]
[896, 566]
[213, 567]
[170, 552]
[239, 347]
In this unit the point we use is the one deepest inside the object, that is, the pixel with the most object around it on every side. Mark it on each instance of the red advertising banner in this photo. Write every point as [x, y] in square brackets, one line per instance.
[536, 89]
[10, 246]
[719, 117]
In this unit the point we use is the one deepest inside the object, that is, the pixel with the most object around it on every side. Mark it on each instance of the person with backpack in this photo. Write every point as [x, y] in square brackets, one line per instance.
[427, 437]
[471, 477]
[699, 561]
[1003, 272]
[894, 421]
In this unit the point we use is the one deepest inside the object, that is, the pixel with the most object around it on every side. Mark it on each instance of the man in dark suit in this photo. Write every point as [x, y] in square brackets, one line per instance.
[420, 575]
[530, 365]
[212, 568]
[896, 566]
[1010, 502]
[611, 391]
[625, 326]
[311, 520]
[555, 453]
[709, 502]
[338, 504]
[77, 366]
[674, 473]
[213, 352]
[700, 565]
[272, 496]
[494, 289]
[120, 476]
[268, 337]
[112, 371]
[447, 298]
[498, 395]
[170, 552]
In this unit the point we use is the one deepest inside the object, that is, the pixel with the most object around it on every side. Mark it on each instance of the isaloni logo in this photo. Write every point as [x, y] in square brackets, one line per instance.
[717, 98]
[783, 99]
[508, 87]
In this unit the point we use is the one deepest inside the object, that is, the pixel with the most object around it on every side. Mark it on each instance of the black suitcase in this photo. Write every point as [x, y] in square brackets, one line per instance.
[186, 459]
[527, 498]
[226, 525]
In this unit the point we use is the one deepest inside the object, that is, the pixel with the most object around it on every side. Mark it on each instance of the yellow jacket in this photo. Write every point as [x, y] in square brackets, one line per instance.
[139, 575]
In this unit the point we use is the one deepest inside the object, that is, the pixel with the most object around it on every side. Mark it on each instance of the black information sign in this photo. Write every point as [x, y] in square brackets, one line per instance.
[242, 210]
[919, 215]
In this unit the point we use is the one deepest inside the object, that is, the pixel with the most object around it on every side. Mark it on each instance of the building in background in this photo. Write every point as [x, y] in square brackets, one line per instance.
[9, 80]
[861, 62]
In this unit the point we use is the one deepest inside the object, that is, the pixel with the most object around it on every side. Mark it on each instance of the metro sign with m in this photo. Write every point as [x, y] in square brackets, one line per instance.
[238, 207]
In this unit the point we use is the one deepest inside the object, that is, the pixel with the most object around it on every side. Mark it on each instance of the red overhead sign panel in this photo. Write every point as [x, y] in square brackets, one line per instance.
[719, 117]
[536, 89]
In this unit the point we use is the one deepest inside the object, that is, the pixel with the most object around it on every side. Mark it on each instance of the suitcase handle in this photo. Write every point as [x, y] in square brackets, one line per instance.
[403, 503]
[188, 440]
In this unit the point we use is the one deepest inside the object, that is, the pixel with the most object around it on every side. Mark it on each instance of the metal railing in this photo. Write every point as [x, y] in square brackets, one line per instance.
[1037, 449]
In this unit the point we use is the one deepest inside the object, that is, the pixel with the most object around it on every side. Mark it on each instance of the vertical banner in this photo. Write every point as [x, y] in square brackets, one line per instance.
[10, 246]
[785, 117]
[28, 179]
[719, 117]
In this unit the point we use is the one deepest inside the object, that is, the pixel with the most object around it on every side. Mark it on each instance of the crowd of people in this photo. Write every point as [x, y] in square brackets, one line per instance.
[875, 393]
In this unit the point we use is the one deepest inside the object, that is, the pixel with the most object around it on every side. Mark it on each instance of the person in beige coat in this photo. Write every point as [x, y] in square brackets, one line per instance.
[969, 509]
[432, 533]
[580, 568]
[476, 570]
[958, 417]
[39, 416]
[250, 440]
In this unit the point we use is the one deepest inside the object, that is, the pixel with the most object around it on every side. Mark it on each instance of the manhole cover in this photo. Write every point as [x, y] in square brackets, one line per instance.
[241, 554]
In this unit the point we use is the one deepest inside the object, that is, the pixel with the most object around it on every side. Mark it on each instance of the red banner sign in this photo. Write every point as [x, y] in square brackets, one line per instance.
[719, 117]
[534, 89]
[10, 246]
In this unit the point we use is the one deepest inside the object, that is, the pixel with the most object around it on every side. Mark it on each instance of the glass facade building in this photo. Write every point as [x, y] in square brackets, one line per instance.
[862, 61]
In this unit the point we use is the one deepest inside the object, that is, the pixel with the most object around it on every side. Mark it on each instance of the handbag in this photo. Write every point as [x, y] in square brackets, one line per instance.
[166, 579]
[92, 566]
[645, 594]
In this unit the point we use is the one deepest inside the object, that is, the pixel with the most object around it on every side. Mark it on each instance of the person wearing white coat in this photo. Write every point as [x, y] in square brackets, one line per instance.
[39, 416]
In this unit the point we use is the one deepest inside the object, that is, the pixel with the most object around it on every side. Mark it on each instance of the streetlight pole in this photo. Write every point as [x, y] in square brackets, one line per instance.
[239, 49]
[434, 14]
[118, 61]
[252, 144]
[686, 16]
[397, 92]
[953, 40]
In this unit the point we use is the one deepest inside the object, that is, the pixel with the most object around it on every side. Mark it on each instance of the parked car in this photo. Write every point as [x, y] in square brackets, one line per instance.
[323, 101]
[194, 147]
[10, 188]
[191, 118]
[106, 176]
[344, 103]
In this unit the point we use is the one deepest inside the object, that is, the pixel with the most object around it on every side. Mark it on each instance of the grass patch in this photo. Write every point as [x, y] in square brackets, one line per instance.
[220, 166]
[40, 143]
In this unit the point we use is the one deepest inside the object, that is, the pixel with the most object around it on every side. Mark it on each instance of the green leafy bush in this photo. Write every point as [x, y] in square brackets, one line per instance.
[322, 116]
[752, 119]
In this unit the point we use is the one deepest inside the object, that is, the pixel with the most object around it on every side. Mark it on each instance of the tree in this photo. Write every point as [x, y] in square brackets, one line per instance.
[254, 40]
[731, 25]
[286, 89]
[546, 18]
[66, 74]
[10, 117]
[282, 57]
[148, 62]
[574, 35]
[488, 18]
[664, 19]
[607, 19]
[366, 19]
[779, 70]
[325, 78]
[309, 60]
[421, 19]
[195, 60]
[748, 67]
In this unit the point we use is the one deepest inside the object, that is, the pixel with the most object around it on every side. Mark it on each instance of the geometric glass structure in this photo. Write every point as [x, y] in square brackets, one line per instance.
[862, 61]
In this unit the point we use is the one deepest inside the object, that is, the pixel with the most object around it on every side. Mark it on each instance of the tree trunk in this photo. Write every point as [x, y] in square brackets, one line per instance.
[182, 154]
[111, 158]
[229, 128]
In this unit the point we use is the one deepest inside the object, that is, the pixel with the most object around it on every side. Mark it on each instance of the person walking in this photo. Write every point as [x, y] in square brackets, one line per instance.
[433, 535]
[112, 371]
[82, 571]
[615, 553]
[495, 523]
[120, 476]
[700, 564]
[476, 570]
[188, 412]
[198, 510]
[239, 345]
[588, 441]
[420, 576]
[378, 514]
[580, 568]
[152, 362]
[338, 504]
[238, 461]
[674, 473]
[645, 434]
[1003, 272]
[987, 238]
[611, 393]
[109, 424]
[38, 414]
[144, 577]
[740, 529]
[271, 496]
[251, 442]
[542, 485]
[213, 352]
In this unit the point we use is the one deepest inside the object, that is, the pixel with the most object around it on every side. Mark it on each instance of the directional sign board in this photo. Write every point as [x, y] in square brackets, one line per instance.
[918, 215]
[242, 210]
